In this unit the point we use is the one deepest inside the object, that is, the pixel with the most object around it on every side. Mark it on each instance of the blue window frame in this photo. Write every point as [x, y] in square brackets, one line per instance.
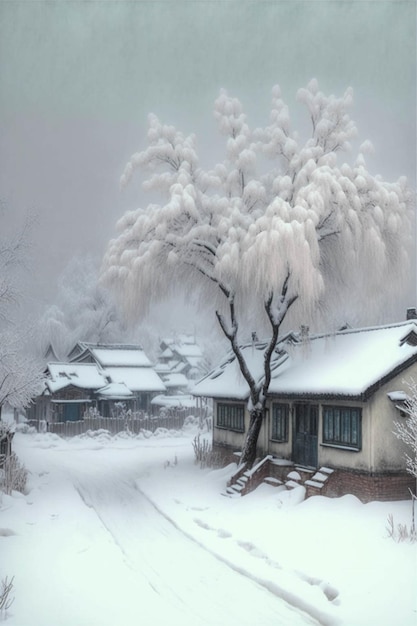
[231, 416]
[279, 423]
[342, 426]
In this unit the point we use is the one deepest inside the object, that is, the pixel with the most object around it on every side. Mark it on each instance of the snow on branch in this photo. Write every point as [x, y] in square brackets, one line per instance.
[310, 222]
[406, 429]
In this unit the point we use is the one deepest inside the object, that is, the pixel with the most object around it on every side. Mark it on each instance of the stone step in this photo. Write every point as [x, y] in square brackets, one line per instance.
[274, 482]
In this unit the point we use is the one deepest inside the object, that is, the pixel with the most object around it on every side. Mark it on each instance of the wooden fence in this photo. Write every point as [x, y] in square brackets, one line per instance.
[173, 421]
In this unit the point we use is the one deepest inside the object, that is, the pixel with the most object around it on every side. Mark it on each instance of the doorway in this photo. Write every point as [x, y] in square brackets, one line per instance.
[305, 434]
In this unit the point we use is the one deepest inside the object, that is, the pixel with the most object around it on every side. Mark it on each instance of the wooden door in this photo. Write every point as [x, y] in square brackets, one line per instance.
[72, 412]
[305, 434]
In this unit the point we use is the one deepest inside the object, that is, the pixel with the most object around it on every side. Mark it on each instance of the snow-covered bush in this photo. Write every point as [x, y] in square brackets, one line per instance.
[25, 429]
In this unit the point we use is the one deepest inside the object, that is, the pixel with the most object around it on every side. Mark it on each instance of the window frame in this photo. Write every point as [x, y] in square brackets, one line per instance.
[233, 417]
[284, 422]
[344, 430]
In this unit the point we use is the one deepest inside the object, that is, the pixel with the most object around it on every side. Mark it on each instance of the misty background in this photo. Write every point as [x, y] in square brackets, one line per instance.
[78, 79]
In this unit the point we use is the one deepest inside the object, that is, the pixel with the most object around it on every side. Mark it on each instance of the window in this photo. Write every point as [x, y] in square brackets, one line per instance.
[231, 416]
[342, 426]
[279, 431]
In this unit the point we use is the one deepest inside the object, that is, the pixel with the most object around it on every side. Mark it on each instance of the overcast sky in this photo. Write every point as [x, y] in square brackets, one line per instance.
[78, 79]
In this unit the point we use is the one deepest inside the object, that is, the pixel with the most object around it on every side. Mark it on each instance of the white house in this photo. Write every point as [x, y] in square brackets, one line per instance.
[332, 402]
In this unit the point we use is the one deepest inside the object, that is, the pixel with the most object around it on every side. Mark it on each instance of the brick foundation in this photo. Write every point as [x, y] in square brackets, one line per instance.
[368, 487]
[384, 486]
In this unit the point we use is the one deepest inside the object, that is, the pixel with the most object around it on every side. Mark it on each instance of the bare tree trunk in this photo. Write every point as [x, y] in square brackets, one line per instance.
[249, 448]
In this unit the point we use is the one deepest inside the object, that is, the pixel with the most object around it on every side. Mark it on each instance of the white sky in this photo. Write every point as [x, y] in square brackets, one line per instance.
[77, 80]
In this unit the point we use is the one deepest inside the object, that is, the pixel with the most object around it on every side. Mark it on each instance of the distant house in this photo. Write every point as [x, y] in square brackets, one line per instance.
[99, 376]
[180, 355]
[332, 403]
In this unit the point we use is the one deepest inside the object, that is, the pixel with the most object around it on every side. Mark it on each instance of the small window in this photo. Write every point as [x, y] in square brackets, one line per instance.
[342, 426]
[279, 425]
[231, 416]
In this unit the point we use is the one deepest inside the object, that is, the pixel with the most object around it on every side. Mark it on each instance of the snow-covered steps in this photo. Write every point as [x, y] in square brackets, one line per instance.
[318, 481]
[274, 482]
[278, 473]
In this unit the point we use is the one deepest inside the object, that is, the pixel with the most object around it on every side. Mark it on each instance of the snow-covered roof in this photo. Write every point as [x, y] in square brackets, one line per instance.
[347, 363]
[175, 380]
[167, 354]
[115, 355]
[174, 401]
[187, 350]
[162, 368]
[398, 396]
[136, 378]
[115, 391]
[226, 381]
[82, 375]
[177, 367]
[116, 370]
[194, 361]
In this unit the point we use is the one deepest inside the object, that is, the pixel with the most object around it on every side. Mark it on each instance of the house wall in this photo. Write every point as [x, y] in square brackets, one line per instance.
[40, 409]
[224, 436]
[340, 457]
[380, 451]
[388, 452]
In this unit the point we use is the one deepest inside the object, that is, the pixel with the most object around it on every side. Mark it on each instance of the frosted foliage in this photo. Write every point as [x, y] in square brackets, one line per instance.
[20, 373]
[84, 310]
[406, 429]
[300, 233]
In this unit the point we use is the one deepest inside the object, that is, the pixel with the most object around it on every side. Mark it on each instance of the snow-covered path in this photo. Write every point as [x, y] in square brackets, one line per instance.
[95, 551]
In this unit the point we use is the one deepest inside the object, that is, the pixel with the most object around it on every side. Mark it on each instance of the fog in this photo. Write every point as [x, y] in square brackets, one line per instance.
[78, 79]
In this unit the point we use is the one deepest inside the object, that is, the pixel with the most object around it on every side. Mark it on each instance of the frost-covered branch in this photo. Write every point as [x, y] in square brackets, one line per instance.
[406, 430]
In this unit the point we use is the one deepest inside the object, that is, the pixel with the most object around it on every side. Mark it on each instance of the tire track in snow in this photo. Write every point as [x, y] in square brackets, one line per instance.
[119, 506]
[291, 598]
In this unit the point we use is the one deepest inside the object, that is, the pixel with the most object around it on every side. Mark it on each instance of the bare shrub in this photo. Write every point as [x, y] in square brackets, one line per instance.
[204, 453]
[14, 475]
[6, 600]
[400, 532]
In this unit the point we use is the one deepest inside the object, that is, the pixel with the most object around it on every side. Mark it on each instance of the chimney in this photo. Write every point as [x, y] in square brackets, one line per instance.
[411, 313]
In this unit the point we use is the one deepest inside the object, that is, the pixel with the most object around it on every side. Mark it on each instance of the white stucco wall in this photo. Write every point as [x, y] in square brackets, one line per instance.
[388, 452]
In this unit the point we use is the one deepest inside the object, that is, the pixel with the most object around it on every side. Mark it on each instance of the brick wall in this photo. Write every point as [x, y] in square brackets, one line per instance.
[368, 487]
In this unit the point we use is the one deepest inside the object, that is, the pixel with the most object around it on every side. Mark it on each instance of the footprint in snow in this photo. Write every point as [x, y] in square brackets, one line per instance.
[7, 532]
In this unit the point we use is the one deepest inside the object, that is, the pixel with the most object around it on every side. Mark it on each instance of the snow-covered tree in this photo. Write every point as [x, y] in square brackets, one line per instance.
[20, 373]
[84, 311]
[278, 226]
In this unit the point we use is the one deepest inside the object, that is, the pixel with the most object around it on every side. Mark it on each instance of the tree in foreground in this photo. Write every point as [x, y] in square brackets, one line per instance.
[277, 227]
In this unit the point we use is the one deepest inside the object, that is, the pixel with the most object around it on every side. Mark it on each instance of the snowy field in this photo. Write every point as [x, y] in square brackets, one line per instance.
[120, 531]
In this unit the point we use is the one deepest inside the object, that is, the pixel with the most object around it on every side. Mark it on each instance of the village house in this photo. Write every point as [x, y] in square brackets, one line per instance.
[102, 377]
[331, 409]
[180, 357]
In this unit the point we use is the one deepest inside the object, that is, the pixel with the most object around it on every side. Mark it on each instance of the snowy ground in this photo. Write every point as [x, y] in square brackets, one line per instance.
[118, 531]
